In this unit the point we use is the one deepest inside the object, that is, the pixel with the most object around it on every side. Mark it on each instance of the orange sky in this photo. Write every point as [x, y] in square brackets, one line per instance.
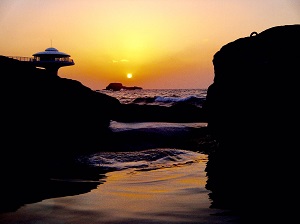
[162, 43]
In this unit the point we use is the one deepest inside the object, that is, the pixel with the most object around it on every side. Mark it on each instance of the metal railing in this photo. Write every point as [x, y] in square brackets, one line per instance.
[19, 58]
[37, 59]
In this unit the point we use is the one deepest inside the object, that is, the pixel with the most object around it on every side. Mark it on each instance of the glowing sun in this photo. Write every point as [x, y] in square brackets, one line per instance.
[129, 75]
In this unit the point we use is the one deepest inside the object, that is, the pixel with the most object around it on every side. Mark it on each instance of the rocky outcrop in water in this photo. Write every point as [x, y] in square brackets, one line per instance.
[252, 113]
[118, 86]
[180, 112]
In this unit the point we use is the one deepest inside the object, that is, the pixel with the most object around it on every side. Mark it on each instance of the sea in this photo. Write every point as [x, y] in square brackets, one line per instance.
[161, 97]
[140, 183]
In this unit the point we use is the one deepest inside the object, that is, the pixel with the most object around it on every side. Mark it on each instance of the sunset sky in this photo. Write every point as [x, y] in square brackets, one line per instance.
[164, 44]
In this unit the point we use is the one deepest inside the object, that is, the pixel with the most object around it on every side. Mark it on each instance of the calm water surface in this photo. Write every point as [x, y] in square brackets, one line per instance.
[150, 186]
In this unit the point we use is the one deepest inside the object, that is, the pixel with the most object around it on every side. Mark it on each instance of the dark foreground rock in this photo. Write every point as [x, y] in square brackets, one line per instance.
[252, 113]
[46, 118]
[180, 112]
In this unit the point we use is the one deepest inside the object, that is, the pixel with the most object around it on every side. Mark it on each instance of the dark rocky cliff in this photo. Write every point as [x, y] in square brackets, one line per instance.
[44, 116]
[252, 113]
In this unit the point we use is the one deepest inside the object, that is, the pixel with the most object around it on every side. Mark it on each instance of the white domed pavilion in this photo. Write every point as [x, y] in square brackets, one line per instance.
[51, 59]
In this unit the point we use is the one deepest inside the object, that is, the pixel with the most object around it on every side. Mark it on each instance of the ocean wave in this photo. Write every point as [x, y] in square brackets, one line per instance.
[144, 100]
[176, 99]
[161, 127]
[145, 160]
[162, 97]
[190, 100]
[168, 101]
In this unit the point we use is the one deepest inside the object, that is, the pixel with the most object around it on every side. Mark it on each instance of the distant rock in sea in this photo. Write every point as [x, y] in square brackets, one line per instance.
[119, 86]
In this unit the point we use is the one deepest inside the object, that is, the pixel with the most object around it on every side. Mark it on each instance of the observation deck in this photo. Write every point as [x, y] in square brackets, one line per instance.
[51, 59]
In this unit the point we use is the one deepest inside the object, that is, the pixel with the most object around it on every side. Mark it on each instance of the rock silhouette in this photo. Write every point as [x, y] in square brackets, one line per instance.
[252, 111]
[119, 86]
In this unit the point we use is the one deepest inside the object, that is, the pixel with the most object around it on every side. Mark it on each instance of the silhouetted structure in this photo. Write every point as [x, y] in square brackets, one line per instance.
[51, 59]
